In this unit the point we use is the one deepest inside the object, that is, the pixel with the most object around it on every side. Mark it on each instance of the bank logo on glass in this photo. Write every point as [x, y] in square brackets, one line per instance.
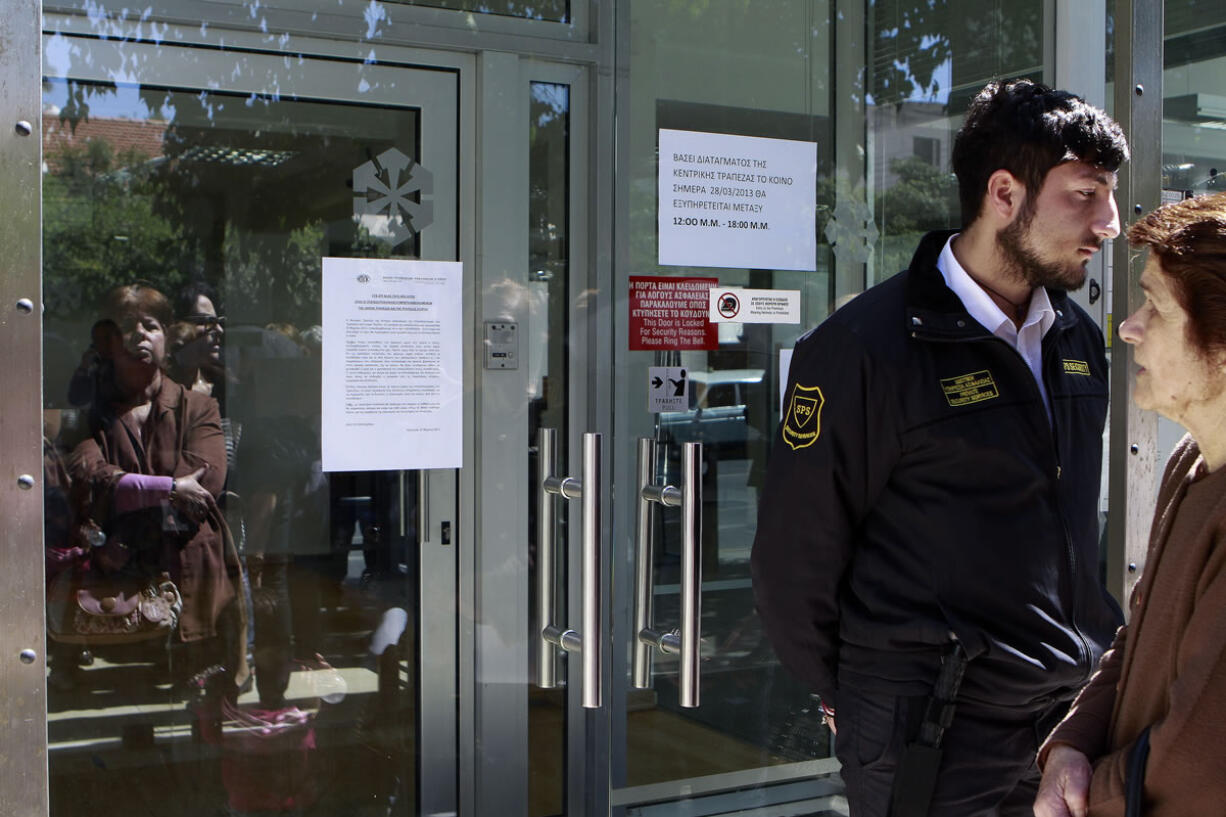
[381, 197]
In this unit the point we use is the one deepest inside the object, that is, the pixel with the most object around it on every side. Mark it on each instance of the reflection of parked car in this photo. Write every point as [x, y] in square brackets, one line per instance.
[717, 411]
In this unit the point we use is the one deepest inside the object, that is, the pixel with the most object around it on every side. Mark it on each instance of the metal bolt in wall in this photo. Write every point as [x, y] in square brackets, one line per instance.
[24, 128]
[25, 482]
[25, 305]
[28, 656]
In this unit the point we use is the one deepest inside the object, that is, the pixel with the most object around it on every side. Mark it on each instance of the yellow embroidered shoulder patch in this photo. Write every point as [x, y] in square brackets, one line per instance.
[966, 389]
[1076, 367]
[803, 423]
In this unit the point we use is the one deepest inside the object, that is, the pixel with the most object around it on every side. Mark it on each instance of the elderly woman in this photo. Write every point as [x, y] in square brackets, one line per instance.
[1164, 680]
[149, 475]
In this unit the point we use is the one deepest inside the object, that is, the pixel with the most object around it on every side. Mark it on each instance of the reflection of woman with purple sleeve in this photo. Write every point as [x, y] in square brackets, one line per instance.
[149, 476]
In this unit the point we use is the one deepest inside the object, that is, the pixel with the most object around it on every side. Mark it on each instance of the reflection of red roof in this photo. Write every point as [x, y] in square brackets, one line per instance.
[142, 135]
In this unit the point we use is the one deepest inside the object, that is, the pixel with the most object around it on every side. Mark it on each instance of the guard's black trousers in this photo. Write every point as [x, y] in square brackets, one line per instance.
[987, 768]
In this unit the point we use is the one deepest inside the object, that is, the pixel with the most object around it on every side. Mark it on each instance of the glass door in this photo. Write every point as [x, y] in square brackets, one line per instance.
[650, 680]
[731, 128]
[728, 123]
[233, 628]
[841, 111]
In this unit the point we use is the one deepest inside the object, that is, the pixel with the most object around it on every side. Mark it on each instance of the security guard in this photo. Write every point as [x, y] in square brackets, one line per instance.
[927, 546]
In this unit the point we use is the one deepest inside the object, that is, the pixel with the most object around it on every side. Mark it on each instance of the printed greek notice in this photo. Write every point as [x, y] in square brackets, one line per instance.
[736, 201]
[392, 364]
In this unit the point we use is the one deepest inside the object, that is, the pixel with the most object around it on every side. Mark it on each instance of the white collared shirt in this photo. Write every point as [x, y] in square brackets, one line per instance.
[1028, 341]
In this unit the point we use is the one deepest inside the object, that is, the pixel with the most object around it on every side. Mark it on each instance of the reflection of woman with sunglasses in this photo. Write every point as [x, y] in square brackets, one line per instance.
[195, 353]
[196, 359]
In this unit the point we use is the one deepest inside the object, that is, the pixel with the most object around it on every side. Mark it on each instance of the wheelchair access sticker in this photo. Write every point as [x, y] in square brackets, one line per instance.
[803, 423]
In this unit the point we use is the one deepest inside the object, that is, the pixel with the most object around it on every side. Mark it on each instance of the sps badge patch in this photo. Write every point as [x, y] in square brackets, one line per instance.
[804, 421]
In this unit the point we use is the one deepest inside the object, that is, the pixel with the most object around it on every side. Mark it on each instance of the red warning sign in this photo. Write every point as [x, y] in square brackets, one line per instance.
[671, 314]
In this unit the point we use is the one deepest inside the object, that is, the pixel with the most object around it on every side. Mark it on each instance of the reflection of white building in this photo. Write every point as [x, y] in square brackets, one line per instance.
[921, 129]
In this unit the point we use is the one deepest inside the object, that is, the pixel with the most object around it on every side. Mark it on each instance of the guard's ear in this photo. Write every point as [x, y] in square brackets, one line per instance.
[1005, 197]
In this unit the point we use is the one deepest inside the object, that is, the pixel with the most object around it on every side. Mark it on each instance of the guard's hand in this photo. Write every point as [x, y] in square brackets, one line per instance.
[190, 497]
[1065, 788]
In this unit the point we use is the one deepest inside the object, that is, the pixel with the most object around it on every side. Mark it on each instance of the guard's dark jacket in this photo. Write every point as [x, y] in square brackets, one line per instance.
[916, 488]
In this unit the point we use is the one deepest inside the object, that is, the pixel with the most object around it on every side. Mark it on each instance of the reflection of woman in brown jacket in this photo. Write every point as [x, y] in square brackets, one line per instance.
[149, 477]
[1164, 679]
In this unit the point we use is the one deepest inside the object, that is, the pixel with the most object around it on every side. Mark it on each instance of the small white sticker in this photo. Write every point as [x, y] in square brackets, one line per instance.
[735, 305]
[785, 366]
[668, 388]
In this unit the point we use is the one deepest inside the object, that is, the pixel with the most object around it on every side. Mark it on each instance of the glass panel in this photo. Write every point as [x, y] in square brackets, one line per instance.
[548, 359]
[749, 70]
[926, 62]
[883, 178]
[555, 10]
[183, 234]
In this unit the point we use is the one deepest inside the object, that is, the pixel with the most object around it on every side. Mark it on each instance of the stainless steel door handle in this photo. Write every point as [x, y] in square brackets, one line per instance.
[590, 642]
[686, 639]
[546, 666]
[593, 557]
[691, 571]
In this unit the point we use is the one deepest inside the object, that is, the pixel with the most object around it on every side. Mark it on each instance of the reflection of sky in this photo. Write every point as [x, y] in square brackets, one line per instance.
[554, 98]
[122, 101]
[942, 78]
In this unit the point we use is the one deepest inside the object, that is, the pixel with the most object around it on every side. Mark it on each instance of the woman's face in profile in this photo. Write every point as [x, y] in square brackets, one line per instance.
[142, 339]
[1173, 378]
[209, 330]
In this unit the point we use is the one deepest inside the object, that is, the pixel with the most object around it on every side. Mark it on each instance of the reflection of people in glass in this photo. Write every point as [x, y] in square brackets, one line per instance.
[94, 369]
[1163, 683]
[148, 478]
[268, 747]
[196, 341]
[271, 384]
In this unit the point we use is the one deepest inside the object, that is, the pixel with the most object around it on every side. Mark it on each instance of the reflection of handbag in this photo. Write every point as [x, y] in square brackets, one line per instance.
[115, 610]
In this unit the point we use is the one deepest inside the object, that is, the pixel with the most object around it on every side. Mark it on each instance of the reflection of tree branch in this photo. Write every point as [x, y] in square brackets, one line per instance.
[915, 41]
[923, 198]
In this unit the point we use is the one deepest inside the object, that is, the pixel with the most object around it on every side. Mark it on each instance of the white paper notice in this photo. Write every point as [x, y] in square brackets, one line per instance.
[737, 201]
[736, 305]
[392, 364]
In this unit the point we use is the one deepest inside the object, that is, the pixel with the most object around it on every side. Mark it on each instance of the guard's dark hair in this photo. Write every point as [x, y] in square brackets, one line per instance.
[1027, 129]
[1189, 240]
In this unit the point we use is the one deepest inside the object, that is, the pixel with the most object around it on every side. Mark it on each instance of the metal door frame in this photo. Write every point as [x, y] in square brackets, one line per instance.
[23, 703]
